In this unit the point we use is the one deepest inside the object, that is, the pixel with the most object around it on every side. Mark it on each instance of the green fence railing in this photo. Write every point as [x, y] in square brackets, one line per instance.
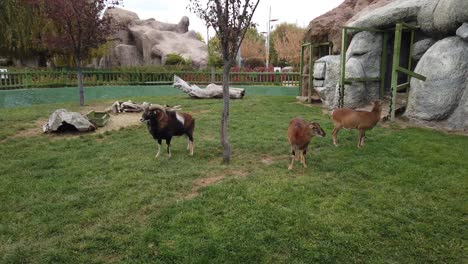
[63, 78]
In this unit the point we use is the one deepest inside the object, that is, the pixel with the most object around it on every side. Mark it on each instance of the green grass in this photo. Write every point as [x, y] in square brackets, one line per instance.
[104, 198]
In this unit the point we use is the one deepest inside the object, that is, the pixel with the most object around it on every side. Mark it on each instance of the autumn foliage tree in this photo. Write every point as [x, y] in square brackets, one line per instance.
[230, 19]
[79, 28]
[287, 40]
[253, 45]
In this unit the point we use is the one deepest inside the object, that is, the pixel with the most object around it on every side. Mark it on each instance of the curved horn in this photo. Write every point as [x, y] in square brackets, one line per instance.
[156, 106]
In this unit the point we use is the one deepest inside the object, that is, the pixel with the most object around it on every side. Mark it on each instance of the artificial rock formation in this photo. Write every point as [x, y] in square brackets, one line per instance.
[327, 27]
[440, 54]
[148, 42]
[445, 66]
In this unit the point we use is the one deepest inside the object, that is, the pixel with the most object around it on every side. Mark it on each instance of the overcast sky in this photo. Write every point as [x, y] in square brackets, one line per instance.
[300, 12]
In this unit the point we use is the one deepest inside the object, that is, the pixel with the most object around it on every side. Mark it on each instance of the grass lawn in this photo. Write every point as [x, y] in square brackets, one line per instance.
[104, 198]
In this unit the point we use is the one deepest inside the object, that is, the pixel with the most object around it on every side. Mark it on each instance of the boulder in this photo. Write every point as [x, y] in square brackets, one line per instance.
[420, 47]
[120, 19]
[367, 48]
[459, 119]
[327, 87]
[319, 70]
[442, 17]
[327, 27]
[462, 31]
[61, 120]
[128, 55]
[389, 14]
[362, 61]
[181, 27]
[445, 66]
[121, 16]
[355, 94]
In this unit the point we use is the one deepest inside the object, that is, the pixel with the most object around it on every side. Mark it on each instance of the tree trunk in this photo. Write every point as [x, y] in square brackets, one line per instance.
[80, 83]
[211, 91]
[225, 115]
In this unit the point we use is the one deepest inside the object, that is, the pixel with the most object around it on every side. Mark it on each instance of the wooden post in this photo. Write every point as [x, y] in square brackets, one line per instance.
[213, 75]
[300, 70]
[410, 59]
[383, 65]
[26, 78]
[344, 35]
[395, 66]
[311, 75]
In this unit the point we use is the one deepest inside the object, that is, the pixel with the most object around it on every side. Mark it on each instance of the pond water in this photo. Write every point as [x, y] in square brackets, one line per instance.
[27, 97]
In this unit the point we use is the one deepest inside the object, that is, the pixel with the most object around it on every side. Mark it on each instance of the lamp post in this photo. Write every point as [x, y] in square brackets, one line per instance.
[268, 38]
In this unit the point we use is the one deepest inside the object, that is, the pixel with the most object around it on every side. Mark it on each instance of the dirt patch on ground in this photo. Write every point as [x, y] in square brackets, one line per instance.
[205, 182]
[270, 160]
[121, 120]
[201, 183]
[115, 122]
[267, 160]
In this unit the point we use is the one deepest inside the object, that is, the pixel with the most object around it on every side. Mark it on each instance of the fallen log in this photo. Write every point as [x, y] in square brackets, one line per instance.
[211, 91]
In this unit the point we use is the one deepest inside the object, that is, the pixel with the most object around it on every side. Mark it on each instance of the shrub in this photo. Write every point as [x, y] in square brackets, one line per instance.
[253, 63]
[175, 59]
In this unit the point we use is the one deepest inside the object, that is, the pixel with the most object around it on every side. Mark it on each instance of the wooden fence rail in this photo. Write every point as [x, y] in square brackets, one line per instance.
[48, 79]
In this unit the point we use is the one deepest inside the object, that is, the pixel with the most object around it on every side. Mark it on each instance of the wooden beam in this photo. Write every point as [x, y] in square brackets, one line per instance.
[412, 74]
[402, 86]
[311, 75]
[395, 66]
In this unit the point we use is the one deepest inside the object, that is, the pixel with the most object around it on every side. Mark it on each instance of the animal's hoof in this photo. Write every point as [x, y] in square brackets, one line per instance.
[290, 168]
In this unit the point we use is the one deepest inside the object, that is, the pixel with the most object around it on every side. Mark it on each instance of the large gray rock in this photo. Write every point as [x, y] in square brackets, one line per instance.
[387, 15]
[367, 48]
[327, 87]
[442, 17]
[319, 70]
[155, 45]
[445, 65]
[181, 27]
[61, 117]
[355, 94]
[121, 16]
[363, 61]
[420, 47]
[462, 31]
[459, 119]
[120, 19]
[128, 55]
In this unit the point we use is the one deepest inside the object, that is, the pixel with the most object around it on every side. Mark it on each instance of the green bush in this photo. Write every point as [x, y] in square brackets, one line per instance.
[175, 59]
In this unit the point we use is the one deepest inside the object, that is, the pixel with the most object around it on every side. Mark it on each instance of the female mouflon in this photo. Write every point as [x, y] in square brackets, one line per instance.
[300, 133]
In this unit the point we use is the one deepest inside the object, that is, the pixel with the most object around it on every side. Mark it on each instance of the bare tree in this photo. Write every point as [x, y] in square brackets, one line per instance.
[79, 28]
[230, 19]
